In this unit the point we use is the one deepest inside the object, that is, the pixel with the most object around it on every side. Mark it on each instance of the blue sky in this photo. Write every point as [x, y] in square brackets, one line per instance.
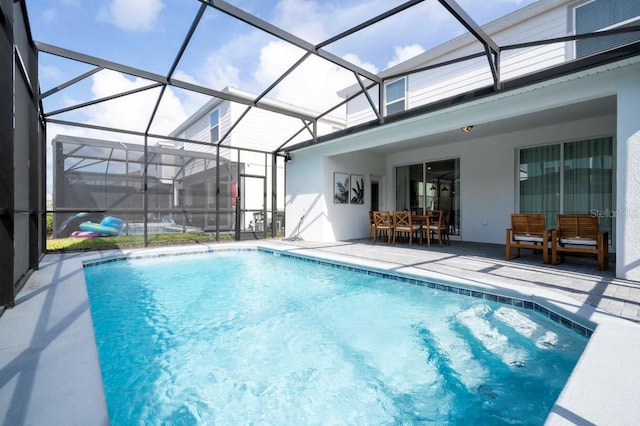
[147, 34]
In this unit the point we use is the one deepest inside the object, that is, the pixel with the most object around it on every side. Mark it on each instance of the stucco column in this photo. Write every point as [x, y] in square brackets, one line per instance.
[628, 180]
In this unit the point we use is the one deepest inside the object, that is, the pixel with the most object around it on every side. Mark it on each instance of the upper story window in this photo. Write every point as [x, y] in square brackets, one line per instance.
[599, 15]
[396, 95]
[214, 125]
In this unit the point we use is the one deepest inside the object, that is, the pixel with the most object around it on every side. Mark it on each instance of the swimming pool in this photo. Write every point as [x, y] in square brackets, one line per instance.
[239, 337]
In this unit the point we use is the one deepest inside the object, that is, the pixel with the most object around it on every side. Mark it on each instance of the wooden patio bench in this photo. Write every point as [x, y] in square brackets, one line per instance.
[579, 234]
[528, 231]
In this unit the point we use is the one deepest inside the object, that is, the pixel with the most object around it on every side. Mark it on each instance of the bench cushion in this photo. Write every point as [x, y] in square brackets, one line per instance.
[579, 241]
[528, 238]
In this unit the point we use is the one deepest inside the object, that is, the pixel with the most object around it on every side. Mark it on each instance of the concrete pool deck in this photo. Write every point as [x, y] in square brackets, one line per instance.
[49, 371]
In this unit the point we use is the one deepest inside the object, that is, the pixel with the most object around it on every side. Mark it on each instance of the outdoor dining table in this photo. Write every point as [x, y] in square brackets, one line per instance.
[428, 220]
[425, 219]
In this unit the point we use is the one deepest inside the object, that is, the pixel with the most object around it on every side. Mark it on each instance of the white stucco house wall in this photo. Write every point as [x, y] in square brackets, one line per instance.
[565, 95]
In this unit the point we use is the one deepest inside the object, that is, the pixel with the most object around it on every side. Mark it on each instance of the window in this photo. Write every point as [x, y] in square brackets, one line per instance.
[574, 177]
[540, 181]
[598, 15]
[214, 125]
[395, 96]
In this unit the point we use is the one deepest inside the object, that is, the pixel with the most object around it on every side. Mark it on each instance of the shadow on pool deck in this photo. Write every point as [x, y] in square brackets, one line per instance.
[578, 277]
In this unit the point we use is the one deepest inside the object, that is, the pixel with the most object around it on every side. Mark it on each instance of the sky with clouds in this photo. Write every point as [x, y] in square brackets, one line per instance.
[147, 34]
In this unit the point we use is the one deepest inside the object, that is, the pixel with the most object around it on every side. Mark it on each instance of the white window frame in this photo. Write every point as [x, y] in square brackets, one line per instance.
[215, 126]
[396, 101]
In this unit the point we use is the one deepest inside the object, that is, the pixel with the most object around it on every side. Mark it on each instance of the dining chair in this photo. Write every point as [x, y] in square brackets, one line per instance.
[372, 225]
[383, 225]
[446, 222]
[403, 223]
[437, 227]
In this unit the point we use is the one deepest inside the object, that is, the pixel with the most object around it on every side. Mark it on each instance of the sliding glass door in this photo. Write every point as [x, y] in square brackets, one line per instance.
[410, 188]
[430, 186]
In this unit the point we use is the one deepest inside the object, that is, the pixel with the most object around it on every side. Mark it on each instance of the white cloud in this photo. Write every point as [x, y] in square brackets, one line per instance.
[275, 58]
[132, 111]
[404, 53]
[132, 15]
[49, 73]
[354, 59]
[313, 84]
[49, 15]
[253, 61]
[191, 101]
[306, 19]
[221, 74]
[230, 61]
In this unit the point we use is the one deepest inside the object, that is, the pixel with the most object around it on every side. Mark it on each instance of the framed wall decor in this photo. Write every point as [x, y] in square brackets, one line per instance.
[356, 194]
[341, 188]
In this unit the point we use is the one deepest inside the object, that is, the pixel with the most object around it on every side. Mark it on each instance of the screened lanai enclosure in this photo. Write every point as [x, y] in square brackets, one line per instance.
[178, 191]
[182, 120]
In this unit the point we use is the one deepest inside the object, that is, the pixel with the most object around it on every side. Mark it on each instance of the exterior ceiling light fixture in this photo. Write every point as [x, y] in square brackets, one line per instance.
[466, 129]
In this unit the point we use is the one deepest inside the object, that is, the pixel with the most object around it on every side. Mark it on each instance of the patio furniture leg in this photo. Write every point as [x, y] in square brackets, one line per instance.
[603, 251]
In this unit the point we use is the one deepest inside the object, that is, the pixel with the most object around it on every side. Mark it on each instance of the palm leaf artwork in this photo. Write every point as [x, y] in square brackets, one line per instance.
[342, 189]
[357, 189]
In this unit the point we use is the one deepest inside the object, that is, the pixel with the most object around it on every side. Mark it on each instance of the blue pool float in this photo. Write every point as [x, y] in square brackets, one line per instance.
[109, 226]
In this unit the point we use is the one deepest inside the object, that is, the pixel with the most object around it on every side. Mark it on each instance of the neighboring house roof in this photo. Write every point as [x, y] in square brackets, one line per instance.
[215, 103]
[118, 148]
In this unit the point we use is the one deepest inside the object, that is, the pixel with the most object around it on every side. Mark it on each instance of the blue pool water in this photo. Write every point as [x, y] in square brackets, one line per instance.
[254, 338]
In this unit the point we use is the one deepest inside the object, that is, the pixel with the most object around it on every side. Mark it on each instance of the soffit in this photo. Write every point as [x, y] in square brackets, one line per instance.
[549, 117]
